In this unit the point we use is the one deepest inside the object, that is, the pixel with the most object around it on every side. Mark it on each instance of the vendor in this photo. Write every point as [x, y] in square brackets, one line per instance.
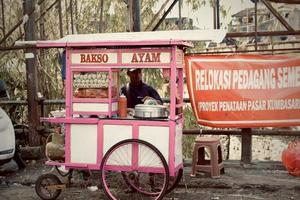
[137, 92]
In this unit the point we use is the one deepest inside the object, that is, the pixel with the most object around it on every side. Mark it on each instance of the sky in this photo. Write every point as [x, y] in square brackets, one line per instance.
[203, 18]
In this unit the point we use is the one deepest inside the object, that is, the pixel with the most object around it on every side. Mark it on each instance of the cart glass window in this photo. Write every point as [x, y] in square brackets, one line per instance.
[90, 84]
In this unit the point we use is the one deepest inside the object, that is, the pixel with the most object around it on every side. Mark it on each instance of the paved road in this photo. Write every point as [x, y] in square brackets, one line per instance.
[16, 192]
[236, 184]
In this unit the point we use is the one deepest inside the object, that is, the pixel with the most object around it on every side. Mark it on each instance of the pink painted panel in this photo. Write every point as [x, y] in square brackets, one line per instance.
[76, 165]
[93, 100]
[172, 132]
[86, 68]
[67, 143]
[53, 163]
[173, 88]
[72, 120]
[180, 86]
[68, 85]
[145, 65]
[139, 122]
[82, 166]
[110, 93]
[100, 142]
[94, 113]
[135, 148]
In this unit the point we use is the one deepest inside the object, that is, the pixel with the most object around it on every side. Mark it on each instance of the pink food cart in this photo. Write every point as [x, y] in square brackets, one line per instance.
[143, 154]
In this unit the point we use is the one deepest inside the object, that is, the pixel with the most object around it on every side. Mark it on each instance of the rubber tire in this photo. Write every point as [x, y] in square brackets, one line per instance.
[171, 186]
[38, 186]
[146, 144]
[174, 184]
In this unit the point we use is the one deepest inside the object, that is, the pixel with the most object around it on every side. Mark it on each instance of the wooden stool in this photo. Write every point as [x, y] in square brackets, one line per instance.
[215, 165]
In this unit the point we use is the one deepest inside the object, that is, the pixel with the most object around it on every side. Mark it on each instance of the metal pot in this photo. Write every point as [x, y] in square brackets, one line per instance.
[150, 111]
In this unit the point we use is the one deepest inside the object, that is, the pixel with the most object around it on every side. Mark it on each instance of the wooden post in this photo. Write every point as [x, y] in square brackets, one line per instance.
[3, 19]
[71, 13]
[179, 15]
[136, 11]
[67, 18]
[61, 31]
[101, 16]
[214, 15]
[31, 75]
[217, 14]
[255, 24]
[246, 156]
[165, 15]
[130, 18]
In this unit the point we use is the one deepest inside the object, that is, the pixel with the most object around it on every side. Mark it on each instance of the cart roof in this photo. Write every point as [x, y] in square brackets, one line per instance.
[160, 38]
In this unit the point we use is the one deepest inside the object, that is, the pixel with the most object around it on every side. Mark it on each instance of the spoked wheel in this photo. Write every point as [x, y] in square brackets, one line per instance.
[125, 173]
[48, 186]
[173, 181]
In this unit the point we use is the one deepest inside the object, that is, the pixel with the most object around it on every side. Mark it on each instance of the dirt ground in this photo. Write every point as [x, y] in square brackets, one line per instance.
[252, 182]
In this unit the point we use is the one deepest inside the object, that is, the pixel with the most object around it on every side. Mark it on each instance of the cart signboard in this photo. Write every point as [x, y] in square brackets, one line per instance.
[244, 91]
[137, 57]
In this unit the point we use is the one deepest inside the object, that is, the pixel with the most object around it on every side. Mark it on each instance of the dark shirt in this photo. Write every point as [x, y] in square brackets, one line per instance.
[135, 93]
[62, 62]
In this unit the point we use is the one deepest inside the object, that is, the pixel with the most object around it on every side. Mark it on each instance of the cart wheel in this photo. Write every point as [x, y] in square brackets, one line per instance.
[173, 181]
[42, 185]
[122, 178]
[62, 173]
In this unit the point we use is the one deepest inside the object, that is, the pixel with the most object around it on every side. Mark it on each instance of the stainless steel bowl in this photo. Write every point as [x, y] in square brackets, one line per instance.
[150, 111]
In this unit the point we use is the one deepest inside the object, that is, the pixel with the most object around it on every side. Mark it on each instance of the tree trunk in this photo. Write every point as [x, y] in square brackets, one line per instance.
[76, 16]
[32, 75]
[101, 16]
[3, 20]
[67, 18]
[130, 14]
[156, 16]
[71, 13]
[61, 31]
[42, 51]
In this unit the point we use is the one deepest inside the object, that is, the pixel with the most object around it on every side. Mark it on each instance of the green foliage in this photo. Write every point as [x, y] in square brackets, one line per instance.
[189, 118]
[196, 4]
[189, 123]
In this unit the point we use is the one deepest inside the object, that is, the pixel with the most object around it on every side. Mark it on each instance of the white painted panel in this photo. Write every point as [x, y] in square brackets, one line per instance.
[141, 57]
[90, 107]
[94, 58]
[114, 106]
[159, 137]
[84, 143]
[113, 134]
[178, 145]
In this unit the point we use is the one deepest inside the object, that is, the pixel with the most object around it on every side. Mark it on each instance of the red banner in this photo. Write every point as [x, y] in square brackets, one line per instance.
[244, 91]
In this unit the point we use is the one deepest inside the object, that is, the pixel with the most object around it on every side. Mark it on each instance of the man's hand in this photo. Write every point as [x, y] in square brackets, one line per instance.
[150, 101]
[130, 111]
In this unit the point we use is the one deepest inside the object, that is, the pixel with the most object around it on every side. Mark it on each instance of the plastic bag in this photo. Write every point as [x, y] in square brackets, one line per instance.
[291, 158]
